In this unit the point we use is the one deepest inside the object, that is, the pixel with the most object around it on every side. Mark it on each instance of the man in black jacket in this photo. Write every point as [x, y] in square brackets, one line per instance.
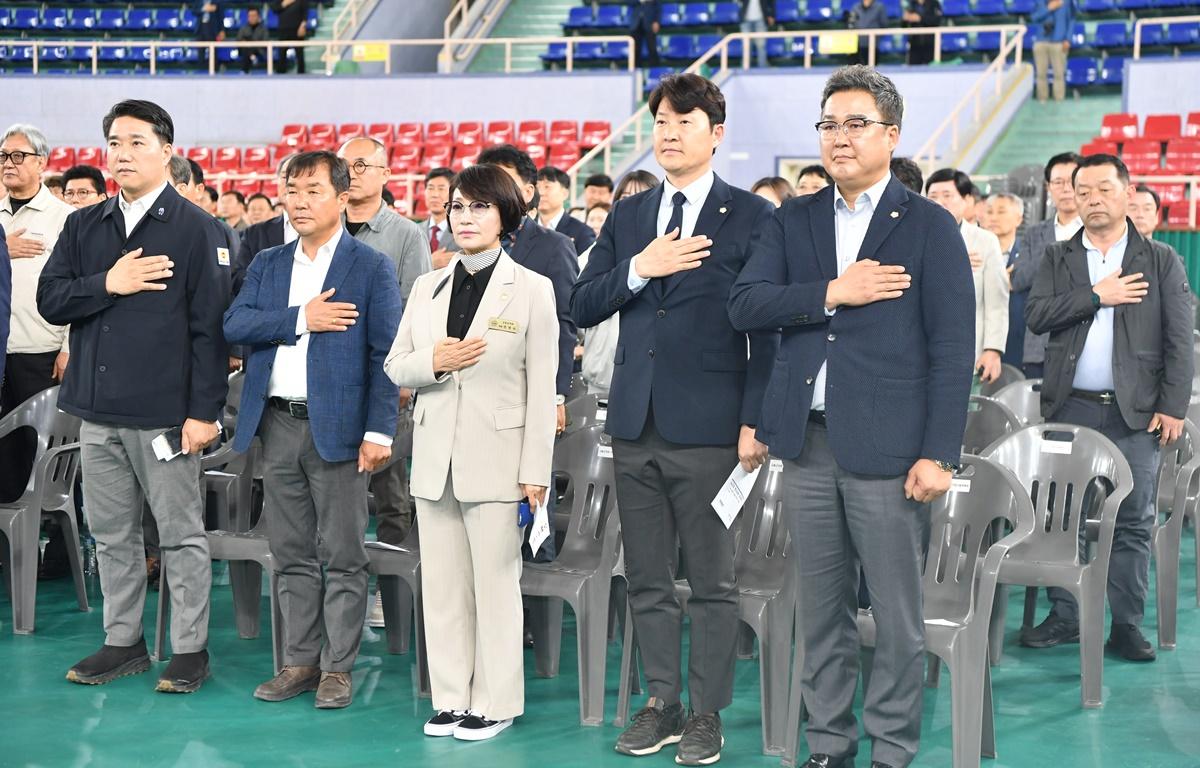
[293, 25]
[1119, 360]
[143, 281]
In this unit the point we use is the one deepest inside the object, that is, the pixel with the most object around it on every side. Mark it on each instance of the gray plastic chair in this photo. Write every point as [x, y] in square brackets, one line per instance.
[1066, 469]
[1024, 398]
[398, 573]
[988, 420]
[1178, 490]
[1008, 375]
[1193, 415]
[582, 573]
[585, 411]
[49, 491]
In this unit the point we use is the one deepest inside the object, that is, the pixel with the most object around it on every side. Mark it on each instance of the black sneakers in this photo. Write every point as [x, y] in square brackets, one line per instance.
[702, 740]
[653, 727]
[1051, 632]
[476, 727]
[1127, 641]
[819, 760]
[444, 722]
[185, 673]
[109, 663]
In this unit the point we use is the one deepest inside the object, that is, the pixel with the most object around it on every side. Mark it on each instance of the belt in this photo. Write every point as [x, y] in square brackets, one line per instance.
[817, 417]
[1104, 398]
[297, 409]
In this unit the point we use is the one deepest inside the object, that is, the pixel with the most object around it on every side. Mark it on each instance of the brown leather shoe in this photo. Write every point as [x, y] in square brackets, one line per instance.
[336, 690]
[289, 683]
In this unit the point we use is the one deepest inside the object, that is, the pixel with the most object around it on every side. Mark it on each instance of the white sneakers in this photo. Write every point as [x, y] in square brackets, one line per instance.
[464, 726]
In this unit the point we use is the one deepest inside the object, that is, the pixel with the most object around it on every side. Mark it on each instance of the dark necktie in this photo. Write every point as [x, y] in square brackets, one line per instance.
[433, 238]
[676, 222]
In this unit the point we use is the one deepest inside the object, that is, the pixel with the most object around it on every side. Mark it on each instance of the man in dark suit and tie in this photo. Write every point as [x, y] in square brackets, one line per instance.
[682, 408]
[319, 316]
[437, 226]
[644, 24]
[866, 405]
[554, 189]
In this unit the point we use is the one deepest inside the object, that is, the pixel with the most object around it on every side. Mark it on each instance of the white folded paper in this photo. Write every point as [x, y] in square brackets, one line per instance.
[540, 531]
[732, 495]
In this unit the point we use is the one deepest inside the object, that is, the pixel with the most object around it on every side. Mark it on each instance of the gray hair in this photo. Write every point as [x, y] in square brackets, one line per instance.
[1010, 197]
[36, 138]
[181, 170]
[859, 77]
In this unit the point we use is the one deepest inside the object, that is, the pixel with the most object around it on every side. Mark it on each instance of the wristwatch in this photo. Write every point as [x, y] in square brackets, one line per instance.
[1095, 300]
[946, 466]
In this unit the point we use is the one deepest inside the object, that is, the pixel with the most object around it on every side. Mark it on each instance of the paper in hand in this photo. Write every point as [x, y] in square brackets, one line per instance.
[540, 530]
[168, 445]
[733, 493]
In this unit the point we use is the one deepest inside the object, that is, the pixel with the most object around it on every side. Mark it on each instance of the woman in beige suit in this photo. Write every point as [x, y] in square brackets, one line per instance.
[478, 345]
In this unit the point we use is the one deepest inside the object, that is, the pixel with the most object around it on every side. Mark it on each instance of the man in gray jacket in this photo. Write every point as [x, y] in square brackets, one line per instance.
[1118, 312]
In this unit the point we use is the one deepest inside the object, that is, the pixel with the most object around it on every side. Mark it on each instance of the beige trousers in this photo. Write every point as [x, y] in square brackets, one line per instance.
[471, 579]
[1050, 54]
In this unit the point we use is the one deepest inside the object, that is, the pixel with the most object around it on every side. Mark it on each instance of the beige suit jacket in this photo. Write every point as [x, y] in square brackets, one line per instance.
[491, 424]
[991, 289]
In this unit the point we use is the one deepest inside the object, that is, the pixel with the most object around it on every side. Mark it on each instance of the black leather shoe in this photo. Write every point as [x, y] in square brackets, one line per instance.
[185, 674]
[1051, 632]
[652, 728]
[877, 764]
[702, 740]
[828, 761]
[109, 663]
[1127, 641]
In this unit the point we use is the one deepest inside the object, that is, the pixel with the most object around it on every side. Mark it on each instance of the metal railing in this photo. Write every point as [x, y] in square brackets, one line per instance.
[332, 49]
[468, 19]
[1154, 21]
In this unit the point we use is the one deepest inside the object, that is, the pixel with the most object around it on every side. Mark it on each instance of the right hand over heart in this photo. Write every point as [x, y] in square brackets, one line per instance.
[322, 315]
[1115, 289]
[865, 282]
[450, 354]
[667, 255]
[21, 247]
[134, 273]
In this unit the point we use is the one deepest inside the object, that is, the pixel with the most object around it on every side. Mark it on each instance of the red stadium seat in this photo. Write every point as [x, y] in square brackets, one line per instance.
[531, 132]
[247, 186]
[227, 159]
[563, 156]
[564, 132]
[1118, 127]
[594, 132]
[1098, 147]
[405, 158]
[439, 133]
[437, 155]
[61, 158]
[1169, 194]
[1162, 127]
[465, 156]
[1177, 215]
[1191, 126]
[501, 132]
[409, 133]
[347, 131]
[380, 132]
[322, 135]
[89, 156]
[420, 210]
[469, 134]
[1183, 156]
[203, 157]
[294, 134]
[1143, 156]
[257, 159]
[537, 152]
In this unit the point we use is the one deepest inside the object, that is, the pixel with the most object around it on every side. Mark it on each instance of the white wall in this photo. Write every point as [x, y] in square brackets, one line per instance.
[1162, 86]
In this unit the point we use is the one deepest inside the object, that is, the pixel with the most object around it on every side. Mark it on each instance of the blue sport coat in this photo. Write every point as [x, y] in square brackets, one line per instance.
[348, 392]
[899, 371]
[677, 348]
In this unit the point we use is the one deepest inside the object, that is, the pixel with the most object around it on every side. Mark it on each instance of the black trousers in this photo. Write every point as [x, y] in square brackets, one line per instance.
[25, 374]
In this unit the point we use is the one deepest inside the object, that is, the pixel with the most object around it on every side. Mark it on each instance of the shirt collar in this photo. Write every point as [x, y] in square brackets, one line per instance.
[553, 224]
[1119, 245]
[696, 192]
[324, 253]
[872, 195]
[38, 202]
[142, 204]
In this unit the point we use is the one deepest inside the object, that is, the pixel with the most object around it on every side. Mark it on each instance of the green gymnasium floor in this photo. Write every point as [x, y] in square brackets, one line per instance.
[1151, 717]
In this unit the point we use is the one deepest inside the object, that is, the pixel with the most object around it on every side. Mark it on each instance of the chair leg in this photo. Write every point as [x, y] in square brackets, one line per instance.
[996, 625]
[628, 669]
[1031, 598]
[70, 528]
[245, 581]
[1166, 590]
[774, 653]
[987, 746]
[421, 670]
[395, 612]
[545, 619]
[795, 706]
[276, 620]
[23, 561]
[745, 646]
[933, 670]
[1091, 643]
[162, 615]
[591, 631]
[968, 668]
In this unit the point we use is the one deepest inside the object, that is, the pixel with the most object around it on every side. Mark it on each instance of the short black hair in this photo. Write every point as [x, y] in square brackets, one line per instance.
[599, 180]
[909, 173]
[307, 163]
[1093, 161]
[550, 173]
[258, 196]
[147, 112]
[441, 172]
[976, 192]
[962, 182]
[88, 172]
[1063, 158]
[510, 157]
[859, 77]
[197, 173]
[212, 193]
[240, 197]
[814, 170]
[487, 183]
[1139, 188]
[685, 92]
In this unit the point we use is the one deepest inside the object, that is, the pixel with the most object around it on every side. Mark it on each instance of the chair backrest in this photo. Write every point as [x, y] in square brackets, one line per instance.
[762, 560]
[585, 457]
[1008, 374]
[981, 492]
[1024, 398]
[1179, 473]
[54, 428]
[53, 481]
[988, 420]
[584, 411]
[1073, 475]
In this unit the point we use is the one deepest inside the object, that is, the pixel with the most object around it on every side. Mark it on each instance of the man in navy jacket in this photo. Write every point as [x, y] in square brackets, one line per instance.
[682, 408]
[866, 405]
[142, 279]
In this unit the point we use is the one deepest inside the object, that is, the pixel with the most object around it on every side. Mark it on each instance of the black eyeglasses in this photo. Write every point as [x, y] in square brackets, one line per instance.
[477, 209]
[17, 157]
[361, 166]
[854, 128]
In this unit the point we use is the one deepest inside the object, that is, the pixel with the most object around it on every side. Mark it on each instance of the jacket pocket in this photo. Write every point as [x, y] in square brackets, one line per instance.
[619, 355]
[723, 361]
[1149, 381]
[510, 417]
[419, 411]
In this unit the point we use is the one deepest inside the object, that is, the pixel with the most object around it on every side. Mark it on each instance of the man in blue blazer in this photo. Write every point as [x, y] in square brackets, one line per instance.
[683, 404]
[319, 316]
[644, 23]
[866, 405]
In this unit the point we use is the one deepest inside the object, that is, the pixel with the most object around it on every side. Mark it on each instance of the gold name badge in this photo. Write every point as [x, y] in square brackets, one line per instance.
[500, 324]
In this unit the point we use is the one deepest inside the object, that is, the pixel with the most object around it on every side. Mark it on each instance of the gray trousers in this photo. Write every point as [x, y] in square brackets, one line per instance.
[837, 520]
[393, 503]
[311, 502]
[1129, 563]
[119, 468]
[664, 490]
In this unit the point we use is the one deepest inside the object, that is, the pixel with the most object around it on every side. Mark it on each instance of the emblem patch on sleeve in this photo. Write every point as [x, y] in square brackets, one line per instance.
[223, 257]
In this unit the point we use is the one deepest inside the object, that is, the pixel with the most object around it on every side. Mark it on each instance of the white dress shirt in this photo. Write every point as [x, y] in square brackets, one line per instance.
[133, 212]
[432, 227]
[289, 376]
[290, 235]
[551, 225]
[1094, 371]
[42, 218]
[1068, 230]
[696, 193]
[850, 228]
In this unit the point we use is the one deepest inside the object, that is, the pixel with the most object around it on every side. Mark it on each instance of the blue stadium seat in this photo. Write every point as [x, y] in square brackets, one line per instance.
[1082, 71]
[891, 45]
[54, 18]
[654, 75]
[611, 17]
[139, 19]
[1136, 5]
[314, 21]
[986, 42]
[672, 15]
[110, 20]
[955, 42]
[1019, 7]
[1079, 36]
[81, 20]
[777, 48]
[735, 53]
[187, 21]
[990, 8]
[697, 15]
[139, 53]
[579, 17]
[555, 52]
[1112, 71]
[894, 8]
[54, 53]
[680, 47]
[81, 53]
[1097, 6]
[227, 55]
[1112, 34]
[234, 19]
[956, 8]
[112, 54]
[726, 14]
[704, 42]
[818, 11]
[616, 51]
[787, 11]
[172, 53]
[589, 51]
[1184, 33]
[17, 53]
[1154, 34]
[23, 18]
[165, 20]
